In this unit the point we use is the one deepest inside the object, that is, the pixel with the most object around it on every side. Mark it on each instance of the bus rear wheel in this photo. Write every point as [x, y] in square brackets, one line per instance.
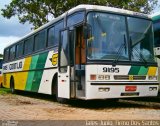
[13, 91]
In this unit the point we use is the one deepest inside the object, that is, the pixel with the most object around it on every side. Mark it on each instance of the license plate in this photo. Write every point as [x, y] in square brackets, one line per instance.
[130, 94]
[130, 88]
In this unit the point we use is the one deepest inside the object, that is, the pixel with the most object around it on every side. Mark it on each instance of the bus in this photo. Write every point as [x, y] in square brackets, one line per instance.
[89, 52]
[156, 27]
[1, 81]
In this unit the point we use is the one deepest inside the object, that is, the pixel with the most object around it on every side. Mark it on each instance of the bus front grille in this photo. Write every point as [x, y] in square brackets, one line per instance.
[129, 77]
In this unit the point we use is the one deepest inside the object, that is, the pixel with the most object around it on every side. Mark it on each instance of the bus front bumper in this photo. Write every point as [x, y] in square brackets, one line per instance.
[120, 90]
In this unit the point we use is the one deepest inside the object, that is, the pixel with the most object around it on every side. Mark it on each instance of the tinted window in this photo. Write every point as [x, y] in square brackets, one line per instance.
[19, 50]
[12, 52]
[157, 33]
[28, 46]
[58, 27]
[1, 61]
[75, 18]
[51, 41]
[6, 55]
[40, 41]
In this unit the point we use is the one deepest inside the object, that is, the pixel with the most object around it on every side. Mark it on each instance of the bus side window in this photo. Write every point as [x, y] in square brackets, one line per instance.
[19, 50]
[1, 62]
[58, 27]
[12, 52]
[40, 41]
[28, 46]
[6, 55]
[53, 34]
[50, 40]
[75, 18]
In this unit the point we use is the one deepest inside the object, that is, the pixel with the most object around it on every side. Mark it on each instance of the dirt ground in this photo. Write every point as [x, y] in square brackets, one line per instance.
[26, 106]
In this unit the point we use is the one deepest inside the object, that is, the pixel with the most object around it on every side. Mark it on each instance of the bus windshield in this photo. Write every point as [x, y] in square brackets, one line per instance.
[141, 38]
[108, 40]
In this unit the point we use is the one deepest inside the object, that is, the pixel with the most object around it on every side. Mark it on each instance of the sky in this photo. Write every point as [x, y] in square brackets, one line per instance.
[11, 30]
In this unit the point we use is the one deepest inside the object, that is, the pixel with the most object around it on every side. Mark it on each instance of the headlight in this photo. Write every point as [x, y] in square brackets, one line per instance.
[100, 77]
[152, 77]
[107, 77]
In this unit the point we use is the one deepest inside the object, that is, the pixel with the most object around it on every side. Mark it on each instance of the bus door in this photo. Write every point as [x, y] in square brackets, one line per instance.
[64, 66]
[80, 61]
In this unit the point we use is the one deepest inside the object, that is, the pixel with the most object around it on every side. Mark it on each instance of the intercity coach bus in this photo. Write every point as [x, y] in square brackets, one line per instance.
[89, 52]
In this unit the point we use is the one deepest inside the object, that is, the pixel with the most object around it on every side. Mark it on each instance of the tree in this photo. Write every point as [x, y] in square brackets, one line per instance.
[39, 12]
[1, 55]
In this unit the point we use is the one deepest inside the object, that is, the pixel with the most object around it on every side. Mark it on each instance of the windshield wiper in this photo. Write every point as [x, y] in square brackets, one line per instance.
[123, 46]
[138, 52]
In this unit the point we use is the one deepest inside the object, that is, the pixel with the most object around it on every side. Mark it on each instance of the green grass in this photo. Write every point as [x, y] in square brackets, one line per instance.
[4, 91]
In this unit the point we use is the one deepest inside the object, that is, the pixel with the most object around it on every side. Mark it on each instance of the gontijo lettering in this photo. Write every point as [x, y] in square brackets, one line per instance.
[13, 66]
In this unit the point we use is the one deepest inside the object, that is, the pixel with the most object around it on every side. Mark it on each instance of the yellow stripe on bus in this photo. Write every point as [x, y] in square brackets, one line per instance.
[27, 63]
[21, 77]
[152, 71]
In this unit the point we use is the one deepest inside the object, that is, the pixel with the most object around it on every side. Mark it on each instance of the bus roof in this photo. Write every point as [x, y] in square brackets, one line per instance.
[85, 7]
[108, 9]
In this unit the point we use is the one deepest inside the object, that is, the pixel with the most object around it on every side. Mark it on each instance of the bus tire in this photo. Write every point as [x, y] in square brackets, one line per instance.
[1, 85]
[13, 91]
[60, 100]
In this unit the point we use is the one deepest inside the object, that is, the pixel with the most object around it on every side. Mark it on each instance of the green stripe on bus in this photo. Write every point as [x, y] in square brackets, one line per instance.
[134, 70]
[143, 71]
[30, 80]
[31, 74]
[38, 74]
[34, 62]
[37, 80]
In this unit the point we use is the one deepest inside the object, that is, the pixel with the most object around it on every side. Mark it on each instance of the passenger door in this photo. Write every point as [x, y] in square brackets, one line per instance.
[64, 66]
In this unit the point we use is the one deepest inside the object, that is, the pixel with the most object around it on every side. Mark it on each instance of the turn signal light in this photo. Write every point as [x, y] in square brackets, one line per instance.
[92, 77]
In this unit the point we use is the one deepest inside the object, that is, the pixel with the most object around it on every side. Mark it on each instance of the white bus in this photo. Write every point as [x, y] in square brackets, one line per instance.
[89, 52]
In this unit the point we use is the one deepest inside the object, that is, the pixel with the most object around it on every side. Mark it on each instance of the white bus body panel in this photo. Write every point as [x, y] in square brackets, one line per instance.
[116, 87]
[64, 84]
[46, 81]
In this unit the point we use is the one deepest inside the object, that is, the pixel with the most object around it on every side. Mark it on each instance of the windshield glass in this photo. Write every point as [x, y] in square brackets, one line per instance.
[141, 38]
[108, 37]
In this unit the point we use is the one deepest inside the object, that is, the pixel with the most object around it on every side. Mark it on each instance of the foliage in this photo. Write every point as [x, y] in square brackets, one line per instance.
[39, 12]
[4, 91]
[1, 55]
